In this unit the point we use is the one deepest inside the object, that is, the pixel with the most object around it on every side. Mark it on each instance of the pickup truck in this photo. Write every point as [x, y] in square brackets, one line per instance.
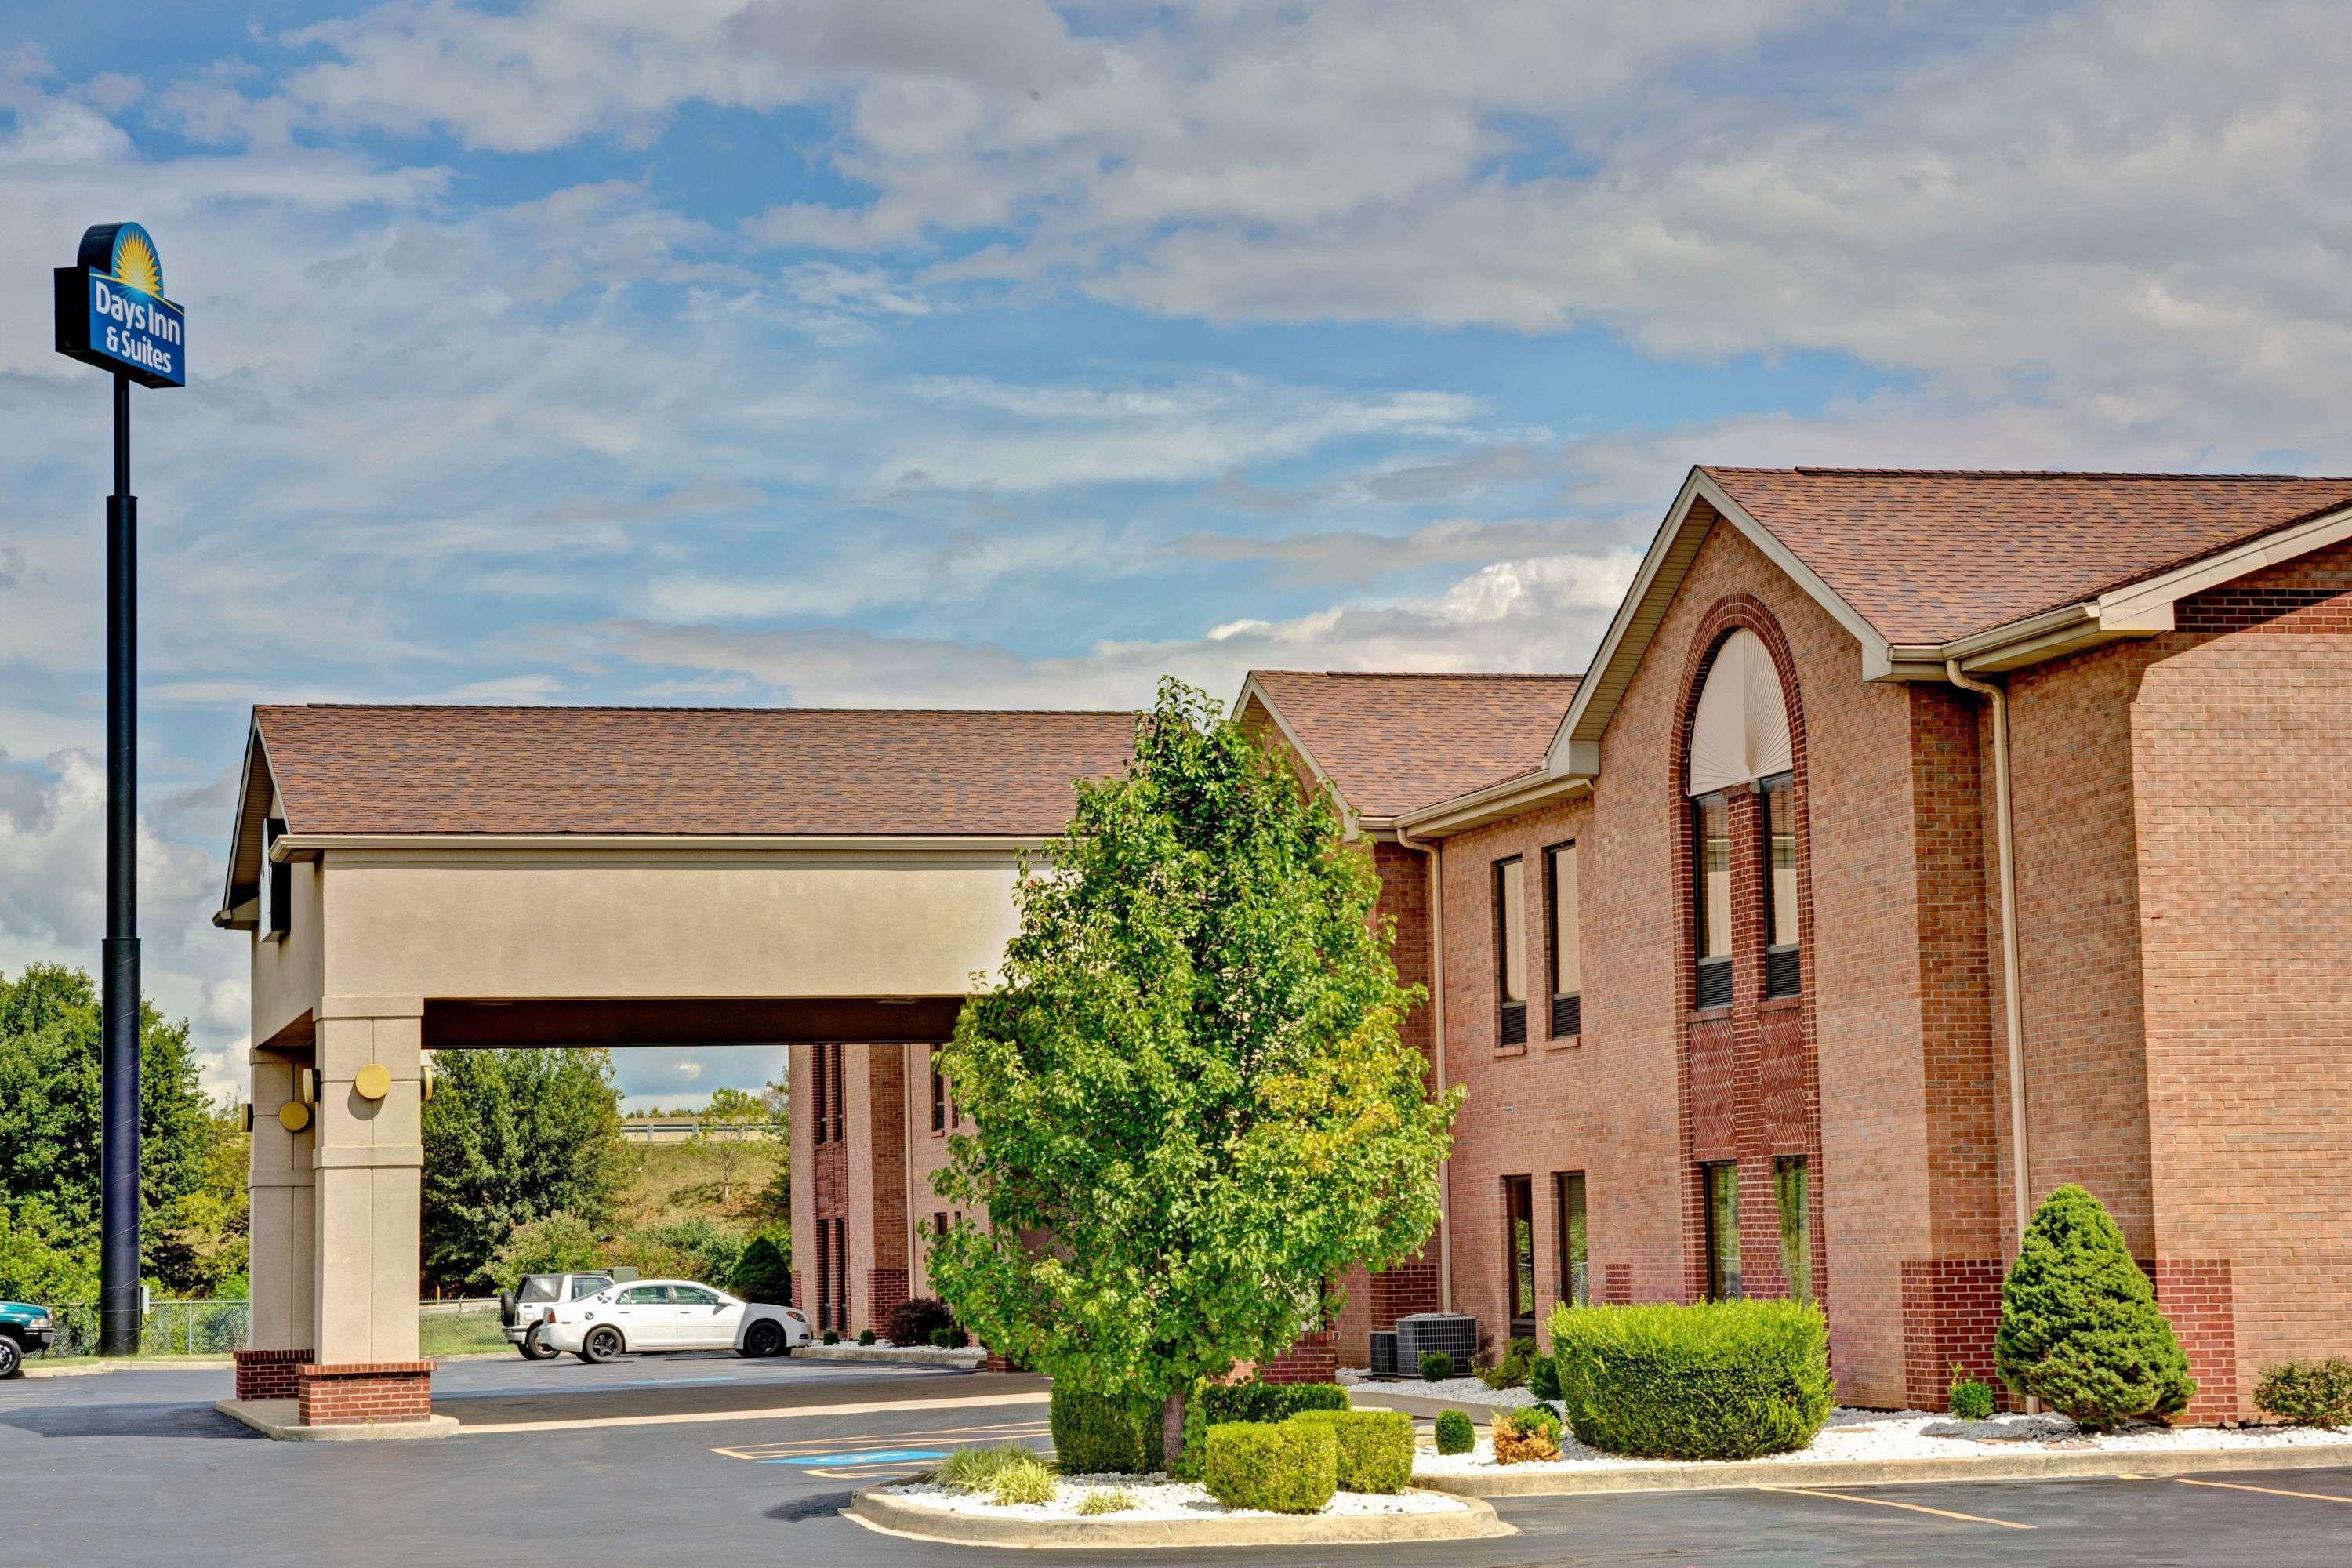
[23, 1327]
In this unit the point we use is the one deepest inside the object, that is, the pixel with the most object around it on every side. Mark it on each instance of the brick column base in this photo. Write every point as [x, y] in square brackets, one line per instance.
[1951, 1310]
[886, 1289]
[268, 1374]
[1315, 1358]
[2197, 1296]
[364, 1393]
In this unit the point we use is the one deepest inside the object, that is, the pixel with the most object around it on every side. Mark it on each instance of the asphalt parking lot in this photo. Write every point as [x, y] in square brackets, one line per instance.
[712, 1459]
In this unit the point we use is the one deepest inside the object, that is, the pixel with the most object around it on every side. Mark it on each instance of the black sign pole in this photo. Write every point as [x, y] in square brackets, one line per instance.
[119, 1315]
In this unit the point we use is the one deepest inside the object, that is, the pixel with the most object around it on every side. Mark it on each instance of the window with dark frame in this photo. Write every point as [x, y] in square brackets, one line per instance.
[1793, 1191]
[833, 1083]
[1520, 1238]
[1719, 1189]
[277, 881]
[816, 1096]
[1711, 897]
[1511, 950]
[939, 1097]
[1575, 1264]
[1779, 816]
[1563, 926]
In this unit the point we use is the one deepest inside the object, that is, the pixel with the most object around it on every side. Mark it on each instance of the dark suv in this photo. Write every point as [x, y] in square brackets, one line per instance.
[23, 1327]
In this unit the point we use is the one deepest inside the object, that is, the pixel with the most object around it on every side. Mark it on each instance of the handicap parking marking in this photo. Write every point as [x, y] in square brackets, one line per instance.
[867, 1457]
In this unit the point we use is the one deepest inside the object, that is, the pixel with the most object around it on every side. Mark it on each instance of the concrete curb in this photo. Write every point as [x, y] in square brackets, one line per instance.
[896, 1355]
[872, 1507]
[80, 1367]
[278, 1419]
[1733, 1475]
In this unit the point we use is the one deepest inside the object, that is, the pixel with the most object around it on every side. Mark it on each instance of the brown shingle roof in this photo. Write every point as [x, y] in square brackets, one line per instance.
[744, 771]
[1927, 556]
[1391, 742]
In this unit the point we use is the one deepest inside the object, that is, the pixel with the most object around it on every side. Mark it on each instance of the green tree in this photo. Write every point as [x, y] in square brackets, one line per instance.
[765, 1271]
[556, 1243]
[202, 1240]
[511, 1137]
[1188, 1077]
[734, 1152]
[49, 1115]
[2080, 1328]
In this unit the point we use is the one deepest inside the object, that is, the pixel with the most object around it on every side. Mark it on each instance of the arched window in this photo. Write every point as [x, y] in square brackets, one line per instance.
[1740, 735]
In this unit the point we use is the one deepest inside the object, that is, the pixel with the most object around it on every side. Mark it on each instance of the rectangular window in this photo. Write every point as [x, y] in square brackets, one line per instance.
[1782, 977]
[816, 1099]
[1711, 896]
[1511, 947]
[939, 1098]
[824, 1274]
[1575, 1269]
[1520, 1237]
[833, 1083]
[1566, 961]
[1793, 1188]
[1720, 1183]
[276, 883]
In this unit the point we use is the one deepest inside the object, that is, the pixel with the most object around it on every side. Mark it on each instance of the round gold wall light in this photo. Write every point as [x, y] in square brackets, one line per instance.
[373, 1082]
[294, 1116]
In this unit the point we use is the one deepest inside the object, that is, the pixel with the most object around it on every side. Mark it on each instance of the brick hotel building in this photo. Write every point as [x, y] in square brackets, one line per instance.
[1915, 843]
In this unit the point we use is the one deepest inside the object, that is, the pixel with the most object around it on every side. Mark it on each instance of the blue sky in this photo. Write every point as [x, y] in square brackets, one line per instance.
[860, 351]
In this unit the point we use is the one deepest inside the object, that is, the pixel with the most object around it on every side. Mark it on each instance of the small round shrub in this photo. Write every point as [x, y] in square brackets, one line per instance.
[1543, 1378]
[1531, 1418]
[832, 1338]
[1525, 1436]
[1454, 1433]
[1375, 1448]
[2308, 1392]
[1287, 1467]
[949, 1338]
[916, 1318]
[1436, 1366]
[1512, 1367]
[1971, 1398]
[866, 1336]
[1094, 1435]
[1720, 1380]
[2080, 1328]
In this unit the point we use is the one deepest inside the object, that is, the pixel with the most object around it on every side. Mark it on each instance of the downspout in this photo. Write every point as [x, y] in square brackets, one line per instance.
[2020, 1162]
[1436, 854]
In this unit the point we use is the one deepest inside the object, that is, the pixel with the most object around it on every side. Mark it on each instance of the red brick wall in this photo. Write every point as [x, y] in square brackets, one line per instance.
[2241, 749]
[350, 1394]
[270, 1374]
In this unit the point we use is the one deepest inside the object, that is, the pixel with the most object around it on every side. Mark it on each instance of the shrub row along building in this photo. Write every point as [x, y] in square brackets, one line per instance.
[1915, 843]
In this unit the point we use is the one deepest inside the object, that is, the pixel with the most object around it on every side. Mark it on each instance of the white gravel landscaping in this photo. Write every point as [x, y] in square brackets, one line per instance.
[1158, 1498]
[1461, 1390]
[1914, 1434]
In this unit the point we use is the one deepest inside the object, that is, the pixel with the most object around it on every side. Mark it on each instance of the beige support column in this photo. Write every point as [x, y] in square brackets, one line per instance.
[369, 1161]
[282, 1265]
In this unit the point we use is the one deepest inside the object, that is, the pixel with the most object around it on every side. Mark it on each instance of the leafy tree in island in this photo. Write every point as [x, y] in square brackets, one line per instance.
[513, 1137]
[1189, 1106]
[49, 1133]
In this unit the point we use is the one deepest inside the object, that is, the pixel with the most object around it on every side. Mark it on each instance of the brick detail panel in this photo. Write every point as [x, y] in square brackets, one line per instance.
[270, 1374]
[1713, 1090]
[1401, 1291]
[364, 1393]
[1951, 1310]
[887, 1288]
[1313, 1359]
[1783, 1080]
[2196, 1294]
[1617, 1284]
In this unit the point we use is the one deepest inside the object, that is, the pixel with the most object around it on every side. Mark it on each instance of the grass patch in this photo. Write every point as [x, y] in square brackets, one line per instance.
[1106, 1500]
[1008, 1473]
[459, 1334]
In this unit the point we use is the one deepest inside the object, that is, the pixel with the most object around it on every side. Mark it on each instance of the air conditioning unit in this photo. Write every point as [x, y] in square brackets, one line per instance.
[1384, 1355]
[1452, 1332]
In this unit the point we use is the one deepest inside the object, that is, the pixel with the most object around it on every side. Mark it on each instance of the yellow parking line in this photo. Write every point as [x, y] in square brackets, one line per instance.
[780, 1413]
[2271, 1491]
[788, 1447]
[1912, 1507]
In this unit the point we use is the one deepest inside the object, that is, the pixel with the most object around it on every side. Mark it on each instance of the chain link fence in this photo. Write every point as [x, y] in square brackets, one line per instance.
[218, 1327]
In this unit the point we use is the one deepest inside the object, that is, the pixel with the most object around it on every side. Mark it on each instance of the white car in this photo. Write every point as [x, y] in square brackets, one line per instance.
[642, 1315]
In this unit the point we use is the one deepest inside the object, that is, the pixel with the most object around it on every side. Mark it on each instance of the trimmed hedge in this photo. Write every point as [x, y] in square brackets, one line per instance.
[2308, 1392]
[1213, 1403]
[1285, 1467]
[1094, 1435]
[1375, 1447]
[1454, 1433]
[1720, 1380]
[2080, 1328]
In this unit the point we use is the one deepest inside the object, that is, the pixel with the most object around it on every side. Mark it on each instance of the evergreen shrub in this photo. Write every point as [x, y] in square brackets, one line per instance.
[2080, 1328]
[1717, 1380]
[1097, 1435]
[2308, 1392]
[1454, 1433]
[1375, 1448]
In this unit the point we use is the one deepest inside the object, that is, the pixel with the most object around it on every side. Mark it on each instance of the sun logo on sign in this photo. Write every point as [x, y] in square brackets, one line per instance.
[135, 264]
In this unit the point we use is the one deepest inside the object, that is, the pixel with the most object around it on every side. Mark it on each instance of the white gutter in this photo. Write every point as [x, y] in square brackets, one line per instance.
[1436, 862]
[2020, 1155]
